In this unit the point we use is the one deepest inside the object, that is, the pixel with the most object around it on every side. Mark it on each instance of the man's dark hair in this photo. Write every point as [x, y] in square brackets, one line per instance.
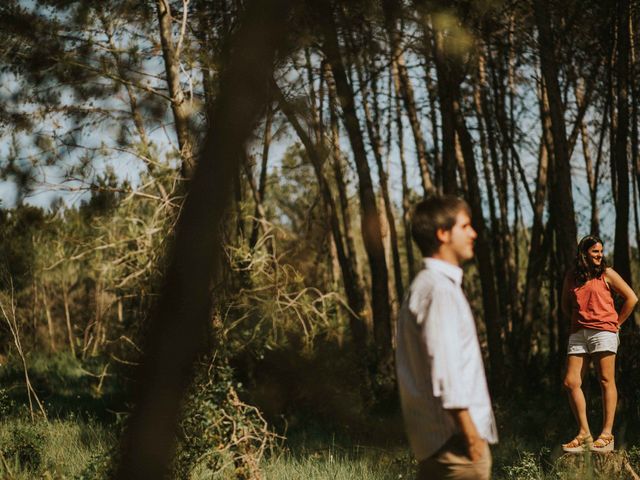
[434, 213]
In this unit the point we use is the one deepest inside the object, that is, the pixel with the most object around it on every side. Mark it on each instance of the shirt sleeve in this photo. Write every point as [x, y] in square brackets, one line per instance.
[440, 320]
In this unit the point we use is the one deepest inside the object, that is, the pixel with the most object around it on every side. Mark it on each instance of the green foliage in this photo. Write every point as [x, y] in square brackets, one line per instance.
[527, 467]
[61, 449]
[268, 304]
[25, 445]
[301, 228]
[7, 404]
[18, 229]
[218, 432]
[100, 466]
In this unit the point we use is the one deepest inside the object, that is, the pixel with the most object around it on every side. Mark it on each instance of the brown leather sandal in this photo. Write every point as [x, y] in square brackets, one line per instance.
[579, 444]
[604, 443]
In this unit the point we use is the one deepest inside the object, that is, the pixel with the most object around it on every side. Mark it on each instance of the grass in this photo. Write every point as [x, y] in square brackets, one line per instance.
[82, 430]
[332, 463]
[61, 449]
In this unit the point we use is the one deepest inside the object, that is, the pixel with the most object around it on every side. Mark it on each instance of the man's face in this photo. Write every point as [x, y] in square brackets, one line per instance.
[460, 239]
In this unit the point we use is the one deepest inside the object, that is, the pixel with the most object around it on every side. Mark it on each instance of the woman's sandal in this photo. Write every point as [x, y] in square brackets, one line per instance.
[604, 443]
[578, 444]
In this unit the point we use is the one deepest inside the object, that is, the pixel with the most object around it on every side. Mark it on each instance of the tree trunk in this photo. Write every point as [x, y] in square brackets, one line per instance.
[370, 220]
[495, 122]
[561, 196]
[171, 56]
[259, 190]
[260, 220]
[619, 159]
[433, 118]
[391, 11]
[351, 282]
[173, 346]
[595, 217]
[635, 137]
[338, 167]
[406, 200]
[376, 147]
[67, 317]
[445, 81]
[537, 254]
[485, 265]
[47, 311]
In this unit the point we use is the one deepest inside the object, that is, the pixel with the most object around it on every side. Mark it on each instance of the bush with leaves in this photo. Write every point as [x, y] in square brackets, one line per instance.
[218, 431]
[25, 445]
[267, 303]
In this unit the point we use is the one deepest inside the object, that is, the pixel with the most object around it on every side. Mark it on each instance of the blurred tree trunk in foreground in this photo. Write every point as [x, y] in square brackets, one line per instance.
[175, 336]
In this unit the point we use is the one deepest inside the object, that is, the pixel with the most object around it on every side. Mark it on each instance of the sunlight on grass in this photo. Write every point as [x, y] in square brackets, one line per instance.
[59, 449]
[361, 463]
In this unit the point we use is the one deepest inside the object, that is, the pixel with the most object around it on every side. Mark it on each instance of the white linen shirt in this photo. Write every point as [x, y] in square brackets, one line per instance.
[438, 361]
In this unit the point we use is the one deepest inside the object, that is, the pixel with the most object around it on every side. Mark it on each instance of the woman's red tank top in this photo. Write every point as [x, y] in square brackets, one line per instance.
[594, 307]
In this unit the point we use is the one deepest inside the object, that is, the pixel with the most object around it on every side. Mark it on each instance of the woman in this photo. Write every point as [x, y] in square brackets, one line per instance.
[587, 299]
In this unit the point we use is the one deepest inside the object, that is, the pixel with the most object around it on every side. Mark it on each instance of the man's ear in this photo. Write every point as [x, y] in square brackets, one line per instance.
[443, 235]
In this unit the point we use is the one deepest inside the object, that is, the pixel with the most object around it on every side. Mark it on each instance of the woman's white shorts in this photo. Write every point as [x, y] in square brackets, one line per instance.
[590, 341]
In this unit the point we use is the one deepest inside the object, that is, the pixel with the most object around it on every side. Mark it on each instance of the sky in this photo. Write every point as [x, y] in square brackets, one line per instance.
[101, 140]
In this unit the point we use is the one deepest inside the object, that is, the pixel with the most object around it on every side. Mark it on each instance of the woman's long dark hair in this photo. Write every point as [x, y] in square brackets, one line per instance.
[584, 268]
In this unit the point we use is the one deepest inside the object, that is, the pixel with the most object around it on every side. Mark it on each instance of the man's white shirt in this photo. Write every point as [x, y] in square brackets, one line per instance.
[438, 361]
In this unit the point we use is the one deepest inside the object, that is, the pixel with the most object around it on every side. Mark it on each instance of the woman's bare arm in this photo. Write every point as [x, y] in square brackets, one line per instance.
[622, 288]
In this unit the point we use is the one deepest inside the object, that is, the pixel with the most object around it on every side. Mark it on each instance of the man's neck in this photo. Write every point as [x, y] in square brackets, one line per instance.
[446, 256]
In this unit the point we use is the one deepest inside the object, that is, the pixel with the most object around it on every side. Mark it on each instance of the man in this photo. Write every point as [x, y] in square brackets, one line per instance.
[441, 378]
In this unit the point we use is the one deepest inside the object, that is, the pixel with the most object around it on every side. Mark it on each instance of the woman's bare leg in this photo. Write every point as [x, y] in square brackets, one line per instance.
[606, 367]
[577, 366]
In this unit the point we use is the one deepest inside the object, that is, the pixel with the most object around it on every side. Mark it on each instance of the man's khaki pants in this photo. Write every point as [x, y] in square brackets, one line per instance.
[451, 462]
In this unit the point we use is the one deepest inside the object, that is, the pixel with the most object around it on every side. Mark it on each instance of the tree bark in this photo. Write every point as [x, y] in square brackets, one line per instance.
[406, 200]
[370, 220]
[635, 136]
[391, 11]
[485, 265]
[260, 189]
[376, 147]
[619, 159]
[351, 282]
[178, 330]
[561, 196]
[67, 317]
[445, 81]
[171, 56]
[537, 257]
[47, 311]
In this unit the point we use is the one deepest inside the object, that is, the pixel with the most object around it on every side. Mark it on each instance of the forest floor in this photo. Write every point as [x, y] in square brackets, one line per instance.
[85, 414]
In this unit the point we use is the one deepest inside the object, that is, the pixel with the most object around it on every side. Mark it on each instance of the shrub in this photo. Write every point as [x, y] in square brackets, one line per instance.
[218, 430]
[25, 445]
[525, 468]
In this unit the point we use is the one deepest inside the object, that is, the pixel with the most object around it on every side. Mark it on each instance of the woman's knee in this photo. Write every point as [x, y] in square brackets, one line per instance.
[607, 381]
[572, 382]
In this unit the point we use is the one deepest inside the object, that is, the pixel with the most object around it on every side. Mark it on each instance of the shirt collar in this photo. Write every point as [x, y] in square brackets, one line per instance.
[449, 270]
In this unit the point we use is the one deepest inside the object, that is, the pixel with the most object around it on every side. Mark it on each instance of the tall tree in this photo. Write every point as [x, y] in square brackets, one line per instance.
[171, 52]
[172, 345]
[619, 155]
[560, 189]
[370, 220]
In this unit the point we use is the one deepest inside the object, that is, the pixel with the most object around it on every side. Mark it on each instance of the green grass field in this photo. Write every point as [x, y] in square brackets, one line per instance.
[77, 449]
[77, 440]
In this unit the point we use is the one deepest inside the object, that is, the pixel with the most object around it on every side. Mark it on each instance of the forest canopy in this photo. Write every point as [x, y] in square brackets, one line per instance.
[207, 202]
